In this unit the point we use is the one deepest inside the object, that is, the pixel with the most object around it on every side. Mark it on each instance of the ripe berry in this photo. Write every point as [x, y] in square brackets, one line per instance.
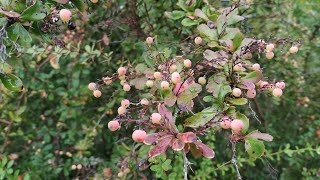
[113, 125]
[175, 77]
[73, 167]
[94, 1]
[97, 93]
[165, 85]
[121, 110]
[202, 80]
[139, 135]
[122, 71]
[280, 85]
[294, 49]
[92, 86]
[149, 83]
[120, 174]
[157, 75]
[263, 83]
[79, 166]
[155, 118]
[277, 92]
[144, 101]
[236, 125]
[198, 40]
[225, 123]
[173, 68]
[269, 55]
[256, 67]
[126, 87]
[251, 93]
[125, 103]
[270, 47]
[149, 40]
[65, 15]
[236, 92]
[187, 63]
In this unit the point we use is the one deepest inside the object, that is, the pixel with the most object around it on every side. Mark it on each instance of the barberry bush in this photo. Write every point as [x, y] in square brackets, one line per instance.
[152, 90]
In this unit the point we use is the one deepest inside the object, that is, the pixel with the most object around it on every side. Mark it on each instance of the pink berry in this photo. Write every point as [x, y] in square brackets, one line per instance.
[144, 102]
[155, 118]
[277, 92]
[202, 80]
[175, 77]
[65, 15]
[280, 85]
[122, 71]
[92, 86]
[121, 110]
[270, 47]
[157, 75]
[263, 84]
[294, 49]
[251, 93]
[225, 123]
[187, 63]
[149, 83]
[236, 92]
[165, 85]
[97, 93]
[120, 174]
[113, 125]
[94, 1]
[269, 55]
[139, 135]
[125, 103]
[236, 125]
[256, 67]
[198, 40]
[126, 170]
[126, 87]
[149, 40]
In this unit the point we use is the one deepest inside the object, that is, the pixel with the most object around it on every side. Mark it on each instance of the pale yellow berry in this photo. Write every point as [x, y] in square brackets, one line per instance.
[122, 77]
[202, 80]
[277, 92]
[121, 110]
[94, 1]
[187, 63]
[173, 68]
[238, 67]
[236, 92]
[165, 85]
[270, 47]
[175, 77]
[149, 83]
[294, 49]
[157, 75]
[73, 167]
[107, 80]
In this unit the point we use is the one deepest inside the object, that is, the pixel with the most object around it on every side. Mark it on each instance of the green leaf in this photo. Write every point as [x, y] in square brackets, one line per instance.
[170, 99]
[237, 40]
[17, 31]
[200, 14]
[199, 119]
[208, 98]
[79, 4]
[10, 163]
[176, 15]
[233, 17]
[238, 101]
[253, 77]
[221, 23]
[206, 31]
[183, 5]
[231, 33]
[255, 148]
[223, 91]
[32, 13]
[188, 22]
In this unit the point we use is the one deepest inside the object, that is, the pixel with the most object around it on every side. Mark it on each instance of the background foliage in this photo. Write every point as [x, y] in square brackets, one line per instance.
[56, 122]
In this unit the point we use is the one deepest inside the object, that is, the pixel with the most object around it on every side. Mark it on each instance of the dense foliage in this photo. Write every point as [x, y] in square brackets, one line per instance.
[56, 128]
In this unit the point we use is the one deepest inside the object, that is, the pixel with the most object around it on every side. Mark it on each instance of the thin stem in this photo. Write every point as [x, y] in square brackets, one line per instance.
[234, 160]
[185, 165]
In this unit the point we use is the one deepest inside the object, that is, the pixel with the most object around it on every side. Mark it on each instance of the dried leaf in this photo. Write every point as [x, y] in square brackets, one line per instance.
[161, 147]
[258, 135]
[205, 150]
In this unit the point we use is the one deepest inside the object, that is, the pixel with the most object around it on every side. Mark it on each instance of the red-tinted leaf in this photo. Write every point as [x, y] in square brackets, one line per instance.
[180, 87]
[247, 85]
[165, 112]
[258, 135]
[187, 137]
[177, 145]
[187, 148]
[161, 147]
[170, 99]
[152, 138]
[195, 151]
[205, 150]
